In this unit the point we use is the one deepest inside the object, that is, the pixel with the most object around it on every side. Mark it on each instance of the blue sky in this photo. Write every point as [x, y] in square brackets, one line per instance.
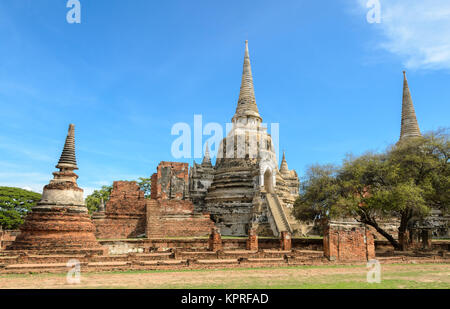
[132, 69]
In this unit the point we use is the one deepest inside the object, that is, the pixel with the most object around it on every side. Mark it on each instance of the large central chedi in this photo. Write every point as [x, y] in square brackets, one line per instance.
[245, 189]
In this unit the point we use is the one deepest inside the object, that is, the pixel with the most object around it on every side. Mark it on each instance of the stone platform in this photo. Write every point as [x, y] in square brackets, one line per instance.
[186, 260]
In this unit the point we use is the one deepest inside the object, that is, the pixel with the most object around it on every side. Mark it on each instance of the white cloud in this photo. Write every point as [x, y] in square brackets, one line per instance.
[416, 30]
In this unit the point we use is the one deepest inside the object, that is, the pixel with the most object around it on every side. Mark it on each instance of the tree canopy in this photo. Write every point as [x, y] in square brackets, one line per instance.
[406, 182]
[14, 204]
[93, 200]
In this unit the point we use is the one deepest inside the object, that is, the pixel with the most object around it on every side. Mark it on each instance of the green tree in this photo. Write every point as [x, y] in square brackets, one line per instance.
[405, 182]
[145, 184]
[319, 192]
[93, 200]
[14, 205]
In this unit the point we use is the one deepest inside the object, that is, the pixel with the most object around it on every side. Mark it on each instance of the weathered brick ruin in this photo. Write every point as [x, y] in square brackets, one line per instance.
[7, 237]
[348, 241]
[167, 213]
[60, 221]
[125, 213]
[215, 240]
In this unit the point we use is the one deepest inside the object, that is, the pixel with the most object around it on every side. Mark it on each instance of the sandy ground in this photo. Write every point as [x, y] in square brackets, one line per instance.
[238, 278]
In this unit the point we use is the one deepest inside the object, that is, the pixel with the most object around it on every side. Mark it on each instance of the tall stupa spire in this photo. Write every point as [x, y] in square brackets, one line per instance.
[410, 127]
[68, 159]
[247, 104]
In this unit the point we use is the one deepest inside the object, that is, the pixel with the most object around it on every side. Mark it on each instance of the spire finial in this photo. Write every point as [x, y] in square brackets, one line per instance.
[206, 158]
[68, 159]
[247, 102]
[284, 166]
[409, 125]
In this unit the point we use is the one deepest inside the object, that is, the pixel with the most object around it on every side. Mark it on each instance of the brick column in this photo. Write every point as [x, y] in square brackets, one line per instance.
[403, 239]
[426, 239]
[370, 244]
[252, 240]
[286, 241]
[215, 240]
[413, 238]
[155, 229]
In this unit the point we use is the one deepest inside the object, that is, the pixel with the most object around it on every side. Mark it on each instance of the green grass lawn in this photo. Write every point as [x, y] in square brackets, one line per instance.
[393, 276]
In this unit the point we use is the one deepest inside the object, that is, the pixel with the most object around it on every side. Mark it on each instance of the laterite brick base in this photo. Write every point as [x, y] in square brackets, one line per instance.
[348, 242]
[57, 229]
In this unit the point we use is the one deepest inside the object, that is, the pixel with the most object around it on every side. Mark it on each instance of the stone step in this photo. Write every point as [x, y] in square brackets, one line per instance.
[270, 251]
[155, 254]
[244, 252]
[218, 261]
[144, 263]
[109, 258]
[56, 256]
[172, 262]
[193, 253]
[36, 266]
[108, 264]
[307, 253]
[8, 258]
[264, 260]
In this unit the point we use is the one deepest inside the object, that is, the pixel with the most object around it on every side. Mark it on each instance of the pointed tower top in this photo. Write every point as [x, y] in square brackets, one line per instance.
[409, 126]
[247, 103]
[284, 166]
[68, 159]
[206, 158]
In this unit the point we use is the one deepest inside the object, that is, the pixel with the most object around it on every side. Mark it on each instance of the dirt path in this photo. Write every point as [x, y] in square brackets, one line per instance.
[239, 278]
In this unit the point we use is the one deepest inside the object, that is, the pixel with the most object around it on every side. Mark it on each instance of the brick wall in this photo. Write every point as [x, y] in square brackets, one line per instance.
[172, 218]
[169, 213]
[170, 181]
[7, 237]
[348, 242]
[125, 214]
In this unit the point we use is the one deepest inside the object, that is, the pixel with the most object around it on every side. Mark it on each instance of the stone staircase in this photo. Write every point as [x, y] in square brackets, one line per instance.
[278, 214]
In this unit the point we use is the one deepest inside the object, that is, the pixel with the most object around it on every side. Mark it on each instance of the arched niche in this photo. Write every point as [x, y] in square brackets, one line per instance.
[268, 181]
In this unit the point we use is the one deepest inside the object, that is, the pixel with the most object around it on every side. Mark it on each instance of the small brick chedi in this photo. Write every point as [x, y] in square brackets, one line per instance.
[60, 221]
